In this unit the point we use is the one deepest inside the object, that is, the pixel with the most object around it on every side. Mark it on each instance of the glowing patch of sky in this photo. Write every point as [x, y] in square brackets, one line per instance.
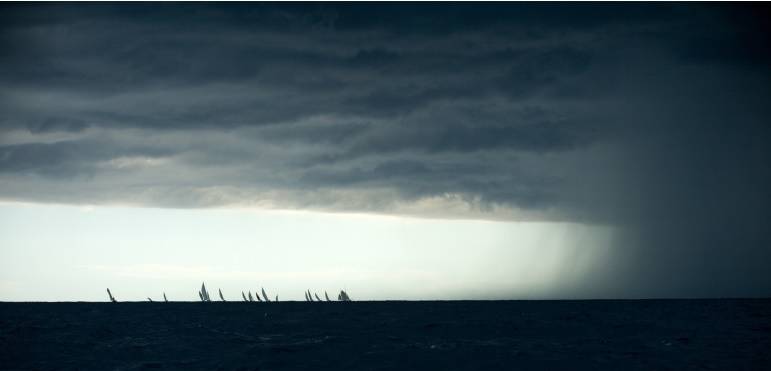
[69, 253]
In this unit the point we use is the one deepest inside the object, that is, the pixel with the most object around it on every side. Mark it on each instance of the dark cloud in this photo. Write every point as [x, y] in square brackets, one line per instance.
[649, 118]
[69, 158]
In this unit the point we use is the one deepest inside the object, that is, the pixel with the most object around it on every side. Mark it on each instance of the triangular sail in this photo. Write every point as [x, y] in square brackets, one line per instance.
[264, 295]
[164, 298]
[251, 298]
[326, 296]
[317, 297]
[244, 296]
[221, 297]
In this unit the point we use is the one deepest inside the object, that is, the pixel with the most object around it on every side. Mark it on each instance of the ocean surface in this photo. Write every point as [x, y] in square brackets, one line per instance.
[430, 335]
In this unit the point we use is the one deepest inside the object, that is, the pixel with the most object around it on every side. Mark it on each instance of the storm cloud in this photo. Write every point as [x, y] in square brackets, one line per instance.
[652, 119]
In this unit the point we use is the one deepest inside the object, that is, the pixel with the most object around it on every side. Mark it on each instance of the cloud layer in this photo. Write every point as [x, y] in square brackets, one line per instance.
[649, 118]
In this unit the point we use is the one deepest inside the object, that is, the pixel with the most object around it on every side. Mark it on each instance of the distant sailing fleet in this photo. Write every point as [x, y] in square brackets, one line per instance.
[203, 294]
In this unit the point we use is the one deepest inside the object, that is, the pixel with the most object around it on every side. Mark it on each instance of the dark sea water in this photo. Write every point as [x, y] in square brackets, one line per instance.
[534, 335]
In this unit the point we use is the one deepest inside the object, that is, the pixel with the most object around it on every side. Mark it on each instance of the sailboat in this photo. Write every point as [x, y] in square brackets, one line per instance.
[343, 296]
[264, 295]
[251, 298]
[244, 296]
[326, 296]
[112, 299]
[203, 294]
[317, 297]
[221, 297]
[164, 298]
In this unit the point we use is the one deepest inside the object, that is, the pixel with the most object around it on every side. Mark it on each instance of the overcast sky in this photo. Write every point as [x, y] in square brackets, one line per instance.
[638, 131]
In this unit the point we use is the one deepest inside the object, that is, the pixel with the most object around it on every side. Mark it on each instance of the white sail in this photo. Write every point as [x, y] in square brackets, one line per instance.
[251, 298]
[317, 297]
[326, 296]
[264, 295]
[221, 297]
[244, 296]
[164, 298]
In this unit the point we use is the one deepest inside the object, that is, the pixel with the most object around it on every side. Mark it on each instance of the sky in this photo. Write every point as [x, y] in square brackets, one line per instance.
[400, 151]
